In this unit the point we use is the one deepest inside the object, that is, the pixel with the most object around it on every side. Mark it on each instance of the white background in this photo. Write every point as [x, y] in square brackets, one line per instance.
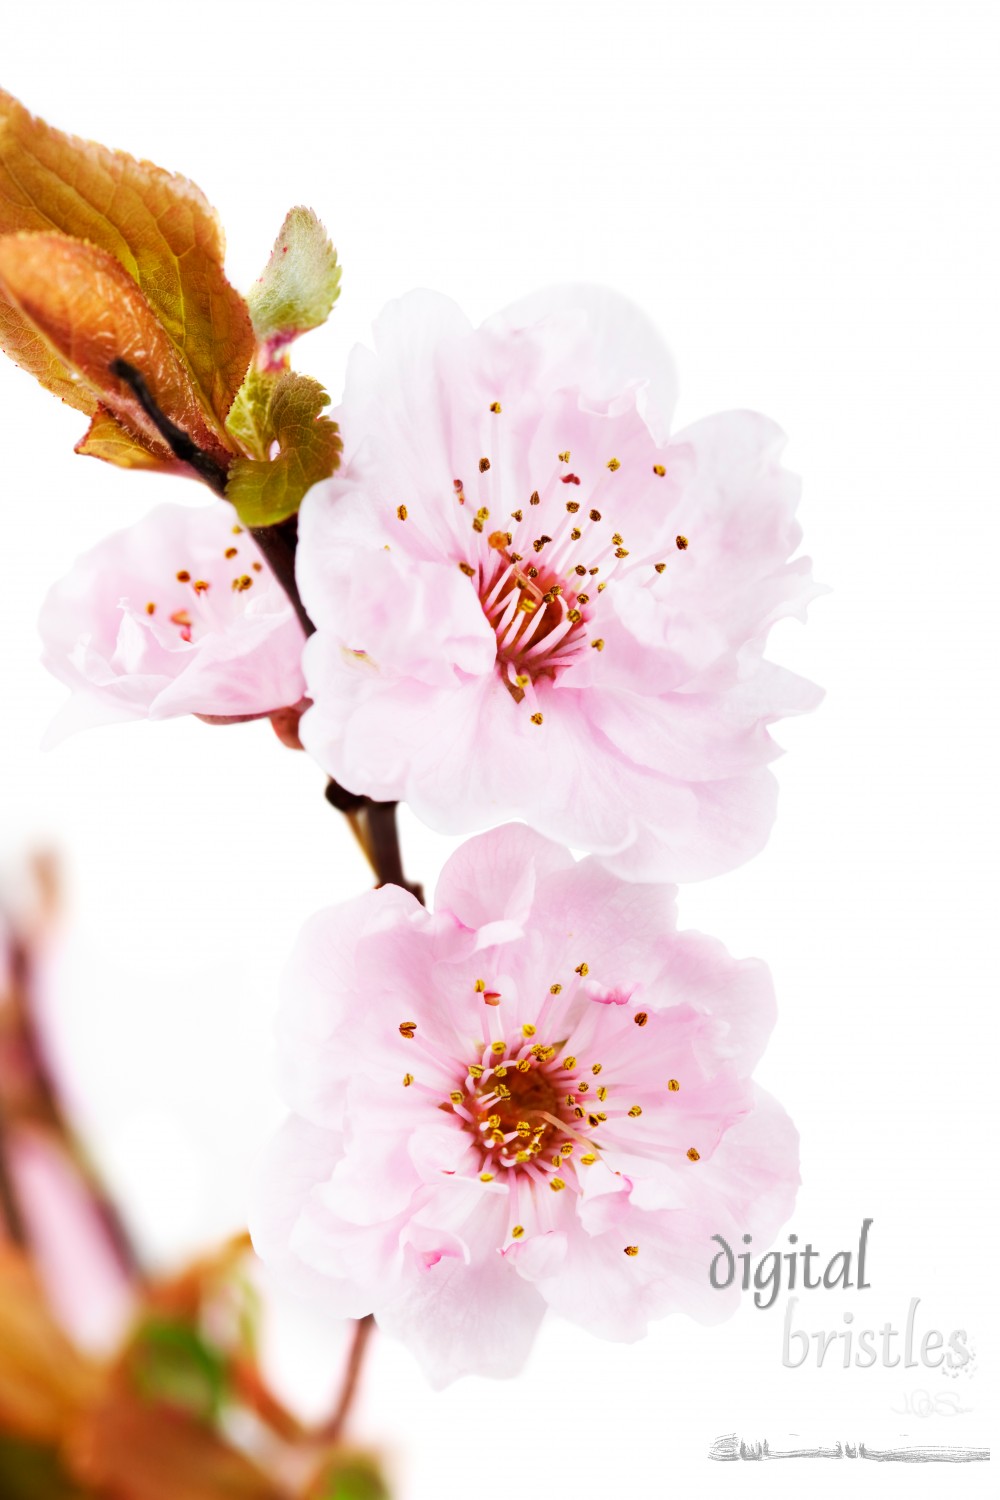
[804, 197]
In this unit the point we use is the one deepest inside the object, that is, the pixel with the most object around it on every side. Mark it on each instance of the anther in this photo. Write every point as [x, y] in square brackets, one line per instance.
[640, 1018]
[484, 464]
[517, 1232]
[536, 719]
[635, 1111]
[682, 542]
[183, 576]
[598, 645]
[556, 1184]
[659, 470]
[614, 463]
[407, 1080]
[631, 1249]
[693, 1155]
[583, 970]
[401, 512]
[673, 1085]
[496, 408]
[408, 1029]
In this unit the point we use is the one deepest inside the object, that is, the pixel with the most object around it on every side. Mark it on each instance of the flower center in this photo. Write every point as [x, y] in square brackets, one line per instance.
[518, 1109]
[537, 617]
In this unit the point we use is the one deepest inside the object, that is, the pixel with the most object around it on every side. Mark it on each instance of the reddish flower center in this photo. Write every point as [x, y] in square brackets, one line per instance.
[537, 617]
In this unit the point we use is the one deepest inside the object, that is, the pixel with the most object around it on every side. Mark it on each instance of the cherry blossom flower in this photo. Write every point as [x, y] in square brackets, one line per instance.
[177, 614]
[538, 1096]
[530, 603]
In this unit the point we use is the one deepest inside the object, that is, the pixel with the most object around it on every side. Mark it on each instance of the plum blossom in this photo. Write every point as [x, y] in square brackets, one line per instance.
[177, 614]
[532, 603]
[537, 1096]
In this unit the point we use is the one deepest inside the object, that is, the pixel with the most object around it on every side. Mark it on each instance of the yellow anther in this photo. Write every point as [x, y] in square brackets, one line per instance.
[456, 1096]
[555, 989]
[660, 567]
[498, 1049]
[602, 1093]
[524, 1065]
[631, 1249]
[583, 970]
[517, 1232]
[598, 645]
[407, 1080]
[556, 1184]
[536, 718]
[523, 1128]
[493, 1121]
[564, 457]
[635, 1111]
[401, 512]
[407, 1029]
[588, 1160]
[597, 1067]
[501, 1071]
[484, 464]
[693, 1155]
[522, 1156]
[673, 1085]
[613, 464]
[640, 1018]
[569, 1062]
[659, 470]
[486, 1177]
[583, 1086]
[495, 407]
[479, 986]
[467, 569]
[682, 542]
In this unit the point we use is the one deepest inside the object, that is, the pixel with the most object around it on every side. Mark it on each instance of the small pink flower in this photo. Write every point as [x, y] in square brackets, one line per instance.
[177, 614]
[476, 1137]
[531, 604]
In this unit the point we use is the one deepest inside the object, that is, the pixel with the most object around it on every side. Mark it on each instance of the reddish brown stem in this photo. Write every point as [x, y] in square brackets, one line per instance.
[363, 1330]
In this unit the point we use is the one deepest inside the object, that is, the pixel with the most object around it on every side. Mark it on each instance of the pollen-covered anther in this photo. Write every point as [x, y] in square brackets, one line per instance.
[401, 512]
[564, 457]
[632, 1250]
[241, 584]
[407, 1080]
[484, 464]
[583, 970]
[614, 464]
[588, 1159]
[230, 552]
[527, 1029]
[682, 543]
[183, 576]
[498, 1049]
[597, 645]
[467, 569]
[660, 567]
[693, 1154]
[673, 1085]
[517, 1232]
[640, 1018]
[496, 408]
[659, 470]
[151, 608]
[635, 1111]
[556, 1184]
[456, 1096]
[486, 1177]
[537, 719]
[408, 1029]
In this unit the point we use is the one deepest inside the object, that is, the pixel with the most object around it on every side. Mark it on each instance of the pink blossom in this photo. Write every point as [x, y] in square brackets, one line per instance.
[175, 615]
[531, 603]
[476, 1137]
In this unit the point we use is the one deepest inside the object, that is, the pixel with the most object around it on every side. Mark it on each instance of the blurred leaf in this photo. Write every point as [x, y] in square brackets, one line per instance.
[133, 1449]
[171, 1363]
[158, 226]
[352, 1476]
[44, 1381]
[265, 491]
[29, 1472]
[89, 312]
[300, 284]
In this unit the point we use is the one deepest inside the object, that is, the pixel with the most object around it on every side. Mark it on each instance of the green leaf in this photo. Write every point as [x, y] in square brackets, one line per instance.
[283, 409]
[249, 421]
[300, 284]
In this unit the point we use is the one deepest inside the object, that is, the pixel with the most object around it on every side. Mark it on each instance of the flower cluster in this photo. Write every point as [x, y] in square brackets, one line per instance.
[497, 586]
